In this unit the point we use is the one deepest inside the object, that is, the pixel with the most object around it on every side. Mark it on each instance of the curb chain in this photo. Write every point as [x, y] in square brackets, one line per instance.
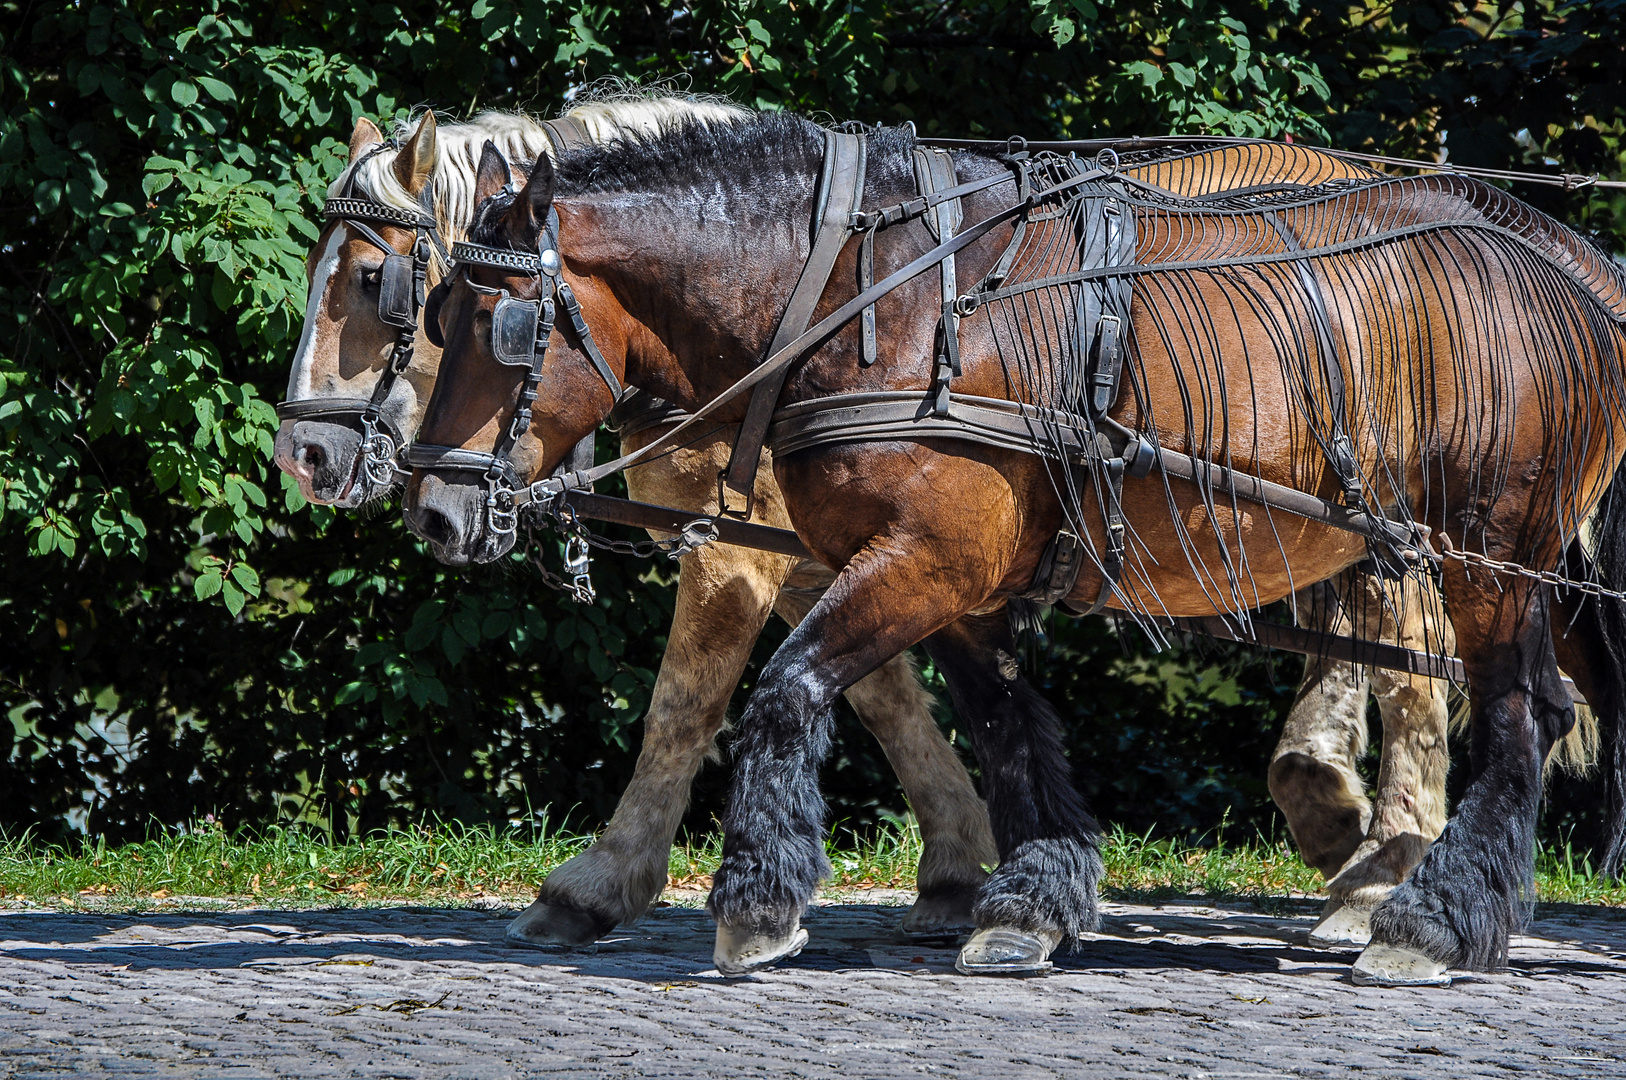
[579, 539]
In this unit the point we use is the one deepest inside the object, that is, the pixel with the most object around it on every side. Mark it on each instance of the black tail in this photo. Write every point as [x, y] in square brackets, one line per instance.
[1606, 620]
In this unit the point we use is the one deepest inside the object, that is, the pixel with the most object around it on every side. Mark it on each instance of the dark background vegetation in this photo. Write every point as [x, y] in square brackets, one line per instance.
[181, 635]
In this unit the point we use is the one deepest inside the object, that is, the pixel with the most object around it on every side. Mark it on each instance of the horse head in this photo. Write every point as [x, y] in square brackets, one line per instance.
[366, 274]
[514, 321]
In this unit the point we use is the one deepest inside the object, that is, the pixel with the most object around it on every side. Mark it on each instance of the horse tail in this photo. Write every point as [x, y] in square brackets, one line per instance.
[1604, 620]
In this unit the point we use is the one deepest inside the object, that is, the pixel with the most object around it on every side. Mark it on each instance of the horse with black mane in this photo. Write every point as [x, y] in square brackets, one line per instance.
[1415, 372]
[363, 352]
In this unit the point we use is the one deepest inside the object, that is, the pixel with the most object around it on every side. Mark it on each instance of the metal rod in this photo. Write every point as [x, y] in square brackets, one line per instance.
[1294, 639]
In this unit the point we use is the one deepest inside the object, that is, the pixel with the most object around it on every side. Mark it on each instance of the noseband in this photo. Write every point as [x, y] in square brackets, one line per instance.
[401, 294]
[520, 330]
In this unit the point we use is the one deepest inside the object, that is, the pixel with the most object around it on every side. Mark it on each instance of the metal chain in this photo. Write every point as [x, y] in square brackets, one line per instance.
[580, 539]
[1546, 577]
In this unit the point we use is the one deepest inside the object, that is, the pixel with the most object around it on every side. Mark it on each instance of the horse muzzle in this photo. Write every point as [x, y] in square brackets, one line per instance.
[322, 459]
[451, 514]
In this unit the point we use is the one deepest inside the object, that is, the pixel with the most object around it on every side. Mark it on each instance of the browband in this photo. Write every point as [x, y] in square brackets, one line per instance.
[367, 210]
[502, 258]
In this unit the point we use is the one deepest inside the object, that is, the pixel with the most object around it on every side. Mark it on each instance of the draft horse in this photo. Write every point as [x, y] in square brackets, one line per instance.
[1476, 350]
[363, 346]
[862, 503]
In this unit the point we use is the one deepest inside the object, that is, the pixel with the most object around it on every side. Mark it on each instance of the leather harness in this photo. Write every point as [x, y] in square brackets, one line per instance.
[401, 290]
[836, 204]
[1110, 451]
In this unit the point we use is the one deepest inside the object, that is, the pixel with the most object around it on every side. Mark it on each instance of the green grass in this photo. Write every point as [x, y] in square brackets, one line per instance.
[451, 864]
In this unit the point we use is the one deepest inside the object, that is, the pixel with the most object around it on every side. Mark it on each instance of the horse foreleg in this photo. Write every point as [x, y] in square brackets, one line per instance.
[955, 840]
[1044, 890]
[1409, 809]
[1475, 885]
[888, 597]
[723, 600]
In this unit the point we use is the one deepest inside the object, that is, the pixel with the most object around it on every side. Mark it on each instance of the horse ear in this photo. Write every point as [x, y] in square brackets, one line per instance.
[365, 135]
[529, 214]
[493, 173]
[417, 157]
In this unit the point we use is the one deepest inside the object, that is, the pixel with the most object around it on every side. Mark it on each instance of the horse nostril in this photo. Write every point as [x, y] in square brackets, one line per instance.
[434, 526]
[310, 456]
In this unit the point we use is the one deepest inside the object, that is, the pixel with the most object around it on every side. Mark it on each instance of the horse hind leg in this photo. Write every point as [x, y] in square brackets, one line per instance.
[1409, 808]
[1312, 774]
[956, 842]
[1474, 887]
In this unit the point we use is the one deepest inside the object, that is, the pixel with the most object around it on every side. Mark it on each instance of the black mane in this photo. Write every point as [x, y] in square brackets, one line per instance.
[743, 161]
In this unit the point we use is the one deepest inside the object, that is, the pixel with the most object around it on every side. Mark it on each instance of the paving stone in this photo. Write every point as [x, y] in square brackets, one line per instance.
[1177, 990]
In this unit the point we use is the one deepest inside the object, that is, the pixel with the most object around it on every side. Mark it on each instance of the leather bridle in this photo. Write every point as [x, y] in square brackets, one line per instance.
[520, 332]
[401, 295]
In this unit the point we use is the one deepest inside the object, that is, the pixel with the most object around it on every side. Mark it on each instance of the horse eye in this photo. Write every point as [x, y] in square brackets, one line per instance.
[372, 278]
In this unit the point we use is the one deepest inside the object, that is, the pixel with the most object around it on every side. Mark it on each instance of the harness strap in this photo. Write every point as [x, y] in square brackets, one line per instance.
[934, 172]
[1336, 444]
[841, 186]
[898, 415]
[823, 330]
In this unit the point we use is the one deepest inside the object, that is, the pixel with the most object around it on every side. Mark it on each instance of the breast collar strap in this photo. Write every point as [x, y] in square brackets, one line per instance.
[546, 265]
[402, 288]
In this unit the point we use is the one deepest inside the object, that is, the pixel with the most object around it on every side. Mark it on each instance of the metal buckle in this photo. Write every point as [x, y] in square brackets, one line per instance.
[722, 499]
[697, 533]
[578, 565]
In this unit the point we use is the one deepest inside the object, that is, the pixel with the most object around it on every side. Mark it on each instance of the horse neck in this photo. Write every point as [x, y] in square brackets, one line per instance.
[703, 300]
[707, 275]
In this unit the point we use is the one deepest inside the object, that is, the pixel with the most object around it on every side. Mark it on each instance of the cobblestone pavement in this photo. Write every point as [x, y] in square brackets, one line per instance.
[1179, 990]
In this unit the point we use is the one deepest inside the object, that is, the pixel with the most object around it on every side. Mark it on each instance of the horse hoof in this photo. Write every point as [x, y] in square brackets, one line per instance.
[1001, 951]
[740, 951]
[1391, 965]
[1343, 927]
[939, 915]
[554, 926]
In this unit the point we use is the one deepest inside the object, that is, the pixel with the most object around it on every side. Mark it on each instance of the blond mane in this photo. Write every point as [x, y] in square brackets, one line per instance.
[625, 114]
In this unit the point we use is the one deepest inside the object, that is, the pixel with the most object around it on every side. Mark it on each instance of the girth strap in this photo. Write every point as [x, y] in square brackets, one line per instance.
[841, 188]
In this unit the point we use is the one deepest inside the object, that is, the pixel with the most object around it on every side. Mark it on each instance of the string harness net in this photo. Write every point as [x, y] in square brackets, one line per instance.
[1369, 302]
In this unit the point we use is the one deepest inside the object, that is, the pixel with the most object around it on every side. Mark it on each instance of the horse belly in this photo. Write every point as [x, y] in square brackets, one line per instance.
[1190, 557]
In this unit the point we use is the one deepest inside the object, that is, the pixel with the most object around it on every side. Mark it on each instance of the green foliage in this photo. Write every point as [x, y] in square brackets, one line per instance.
[185, 635]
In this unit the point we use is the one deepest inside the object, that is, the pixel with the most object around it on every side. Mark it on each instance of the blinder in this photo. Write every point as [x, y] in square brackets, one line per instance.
[513, 330]
[431, 312]
[398, 297]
